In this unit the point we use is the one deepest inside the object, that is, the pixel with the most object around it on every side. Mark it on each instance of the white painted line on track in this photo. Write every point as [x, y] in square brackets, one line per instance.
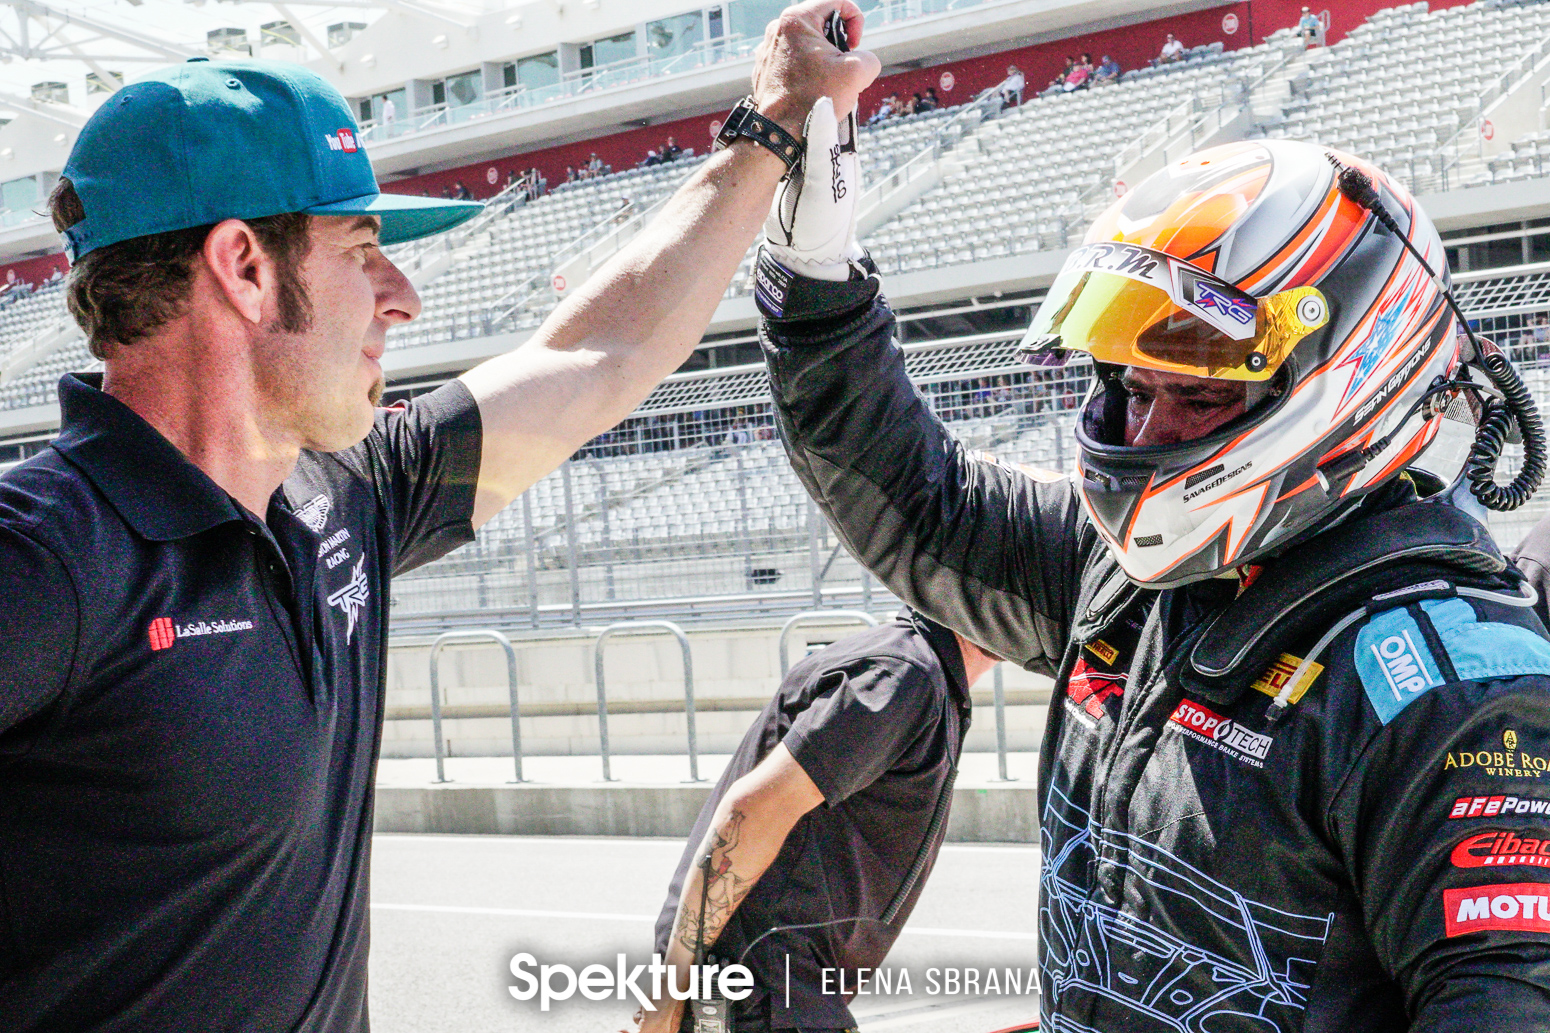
[603, 916]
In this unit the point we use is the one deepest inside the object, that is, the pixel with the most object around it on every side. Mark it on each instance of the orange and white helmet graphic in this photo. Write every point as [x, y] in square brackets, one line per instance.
[1245, 262]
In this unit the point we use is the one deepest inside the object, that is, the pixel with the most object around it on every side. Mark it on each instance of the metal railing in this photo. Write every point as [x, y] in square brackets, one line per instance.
[998, 686]
[480, 635]
[630, 628]
[817, 617]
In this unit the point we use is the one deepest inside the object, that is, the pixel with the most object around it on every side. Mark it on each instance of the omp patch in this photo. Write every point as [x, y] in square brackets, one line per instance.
[1485, 649]
[1394, 663]
[1274, 680]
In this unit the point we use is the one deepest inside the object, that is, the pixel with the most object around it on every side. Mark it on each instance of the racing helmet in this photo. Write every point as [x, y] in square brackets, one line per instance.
[1245, 262]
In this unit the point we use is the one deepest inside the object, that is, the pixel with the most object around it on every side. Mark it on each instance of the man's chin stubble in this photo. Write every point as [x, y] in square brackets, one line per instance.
[374, 393]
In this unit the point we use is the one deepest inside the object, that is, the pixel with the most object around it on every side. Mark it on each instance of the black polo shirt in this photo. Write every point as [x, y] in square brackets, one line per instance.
[190, 713]
[877, 721]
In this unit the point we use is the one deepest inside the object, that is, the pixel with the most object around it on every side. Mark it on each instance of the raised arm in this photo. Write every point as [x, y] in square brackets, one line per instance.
[638, 319]
[980, 546]
[749, 827]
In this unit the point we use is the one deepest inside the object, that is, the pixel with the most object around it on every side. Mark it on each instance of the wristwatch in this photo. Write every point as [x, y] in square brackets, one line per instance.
[744, 120]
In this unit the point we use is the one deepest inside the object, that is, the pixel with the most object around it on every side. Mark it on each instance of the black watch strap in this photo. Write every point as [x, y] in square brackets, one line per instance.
[744, 120]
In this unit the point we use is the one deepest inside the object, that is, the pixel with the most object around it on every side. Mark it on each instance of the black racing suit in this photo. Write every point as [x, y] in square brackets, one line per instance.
[1376, 859]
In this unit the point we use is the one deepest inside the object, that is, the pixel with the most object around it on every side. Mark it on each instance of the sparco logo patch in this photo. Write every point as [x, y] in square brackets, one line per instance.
[1491, 806]
[1494, 848]
[1518, 906]
[1226, 735]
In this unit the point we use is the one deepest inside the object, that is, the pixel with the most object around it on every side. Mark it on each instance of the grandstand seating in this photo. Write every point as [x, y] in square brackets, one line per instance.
[1402, 88]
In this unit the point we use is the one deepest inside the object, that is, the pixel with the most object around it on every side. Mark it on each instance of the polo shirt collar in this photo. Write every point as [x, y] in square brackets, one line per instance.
[149, 482]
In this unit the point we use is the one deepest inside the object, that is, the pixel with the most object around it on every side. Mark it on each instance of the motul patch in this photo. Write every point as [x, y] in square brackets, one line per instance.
[1513, 907]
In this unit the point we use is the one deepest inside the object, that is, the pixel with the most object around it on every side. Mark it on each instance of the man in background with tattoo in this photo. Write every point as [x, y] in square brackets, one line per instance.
[871, 728]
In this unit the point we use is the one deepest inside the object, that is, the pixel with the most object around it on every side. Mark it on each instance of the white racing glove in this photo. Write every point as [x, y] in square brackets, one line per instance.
[811, 229]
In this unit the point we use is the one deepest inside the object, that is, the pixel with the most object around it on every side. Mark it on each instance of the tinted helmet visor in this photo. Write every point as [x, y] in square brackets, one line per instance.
[1133, 306]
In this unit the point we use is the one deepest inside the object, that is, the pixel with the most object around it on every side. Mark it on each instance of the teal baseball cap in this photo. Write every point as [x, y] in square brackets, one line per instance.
[207, 140]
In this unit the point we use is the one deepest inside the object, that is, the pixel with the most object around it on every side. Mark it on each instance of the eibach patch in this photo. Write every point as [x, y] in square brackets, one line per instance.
[1497, 847]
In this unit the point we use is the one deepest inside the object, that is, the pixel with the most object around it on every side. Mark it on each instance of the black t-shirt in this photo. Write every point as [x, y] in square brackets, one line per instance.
[190, 713]
[877, 721]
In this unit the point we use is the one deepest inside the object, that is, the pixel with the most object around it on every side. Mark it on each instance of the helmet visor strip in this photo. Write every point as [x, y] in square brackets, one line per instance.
[1133, 306]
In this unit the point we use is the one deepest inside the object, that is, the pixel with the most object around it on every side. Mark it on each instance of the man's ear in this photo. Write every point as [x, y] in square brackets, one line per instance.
[238, 264]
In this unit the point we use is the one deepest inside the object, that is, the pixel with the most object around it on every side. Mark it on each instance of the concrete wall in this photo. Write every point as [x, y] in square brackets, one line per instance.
[999, 814]
[736, 672]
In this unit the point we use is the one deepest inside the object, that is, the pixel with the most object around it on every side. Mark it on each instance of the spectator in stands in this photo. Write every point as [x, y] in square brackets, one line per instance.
[460, 192]
[1080, 75]
[672, 151]
[570, 174]
[1011, 87]
[1058, 83]
[930, 102]
[389, 116]
[1172, 51]
[594, 165]
[538, 183]
[838, 793]
[885, 110]
[1310, 29]
[1108, 72]
[651, 158]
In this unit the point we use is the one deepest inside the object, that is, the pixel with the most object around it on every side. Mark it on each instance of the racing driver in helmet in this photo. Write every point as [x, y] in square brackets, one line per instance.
[1296, 776]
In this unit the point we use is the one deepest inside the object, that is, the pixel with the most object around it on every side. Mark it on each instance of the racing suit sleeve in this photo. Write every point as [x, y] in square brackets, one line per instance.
[1532, 557]
[975, 544]
[1444, 824]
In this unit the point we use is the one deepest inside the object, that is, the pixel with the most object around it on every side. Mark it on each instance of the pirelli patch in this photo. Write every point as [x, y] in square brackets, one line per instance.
[1274, 680]
[1103, 651]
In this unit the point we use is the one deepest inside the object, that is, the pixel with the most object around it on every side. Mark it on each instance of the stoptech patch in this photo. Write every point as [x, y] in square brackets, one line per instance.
[1496, 847]
[1211, 728]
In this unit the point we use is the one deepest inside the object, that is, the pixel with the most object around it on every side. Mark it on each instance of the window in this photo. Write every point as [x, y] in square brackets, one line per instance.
[228, 39]
[608, 50]
[463, 89]
[51, 92]
[533, 72]
[19, 197]
[341, 33]
[97, 83]
[671, 37]
[278, 34]
[749, 17]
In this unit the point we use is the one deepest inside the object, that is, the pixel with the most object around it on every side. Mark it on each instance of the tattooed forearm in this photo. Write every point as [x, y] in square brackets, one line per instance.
[723, 892]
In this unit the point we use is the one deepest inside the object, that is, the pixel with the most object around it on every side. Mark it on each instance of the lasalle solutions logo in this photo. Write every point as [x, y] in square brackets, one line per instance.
[163, 632]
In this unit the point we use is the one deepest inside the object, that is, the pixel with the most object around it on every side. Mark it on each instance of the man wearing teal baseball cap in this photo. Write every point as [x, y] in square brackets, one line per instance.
[195, 574]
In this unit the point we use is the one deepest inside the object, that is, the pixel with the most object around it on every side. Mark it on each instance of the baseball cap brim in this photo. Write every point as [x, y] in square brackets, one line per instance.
[405, 217]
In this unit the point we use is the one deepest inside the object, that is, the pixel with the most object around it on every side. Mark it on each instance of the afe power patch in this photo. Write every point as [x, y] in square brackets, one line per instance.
[1491, 806]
